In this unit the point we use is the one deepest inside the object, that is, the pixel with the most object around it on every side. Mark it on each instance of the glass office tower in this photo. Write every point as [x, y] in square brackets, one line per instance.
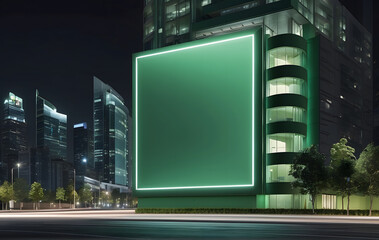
[13, 135]
[51, 127]
[83, 153]
[316, 68]
[110, 121]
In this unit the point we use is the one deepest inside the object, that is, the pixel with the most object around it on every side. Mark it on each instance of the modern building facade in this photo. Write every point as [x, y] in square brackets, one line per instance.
[51, 150]
[314, 60]
[83, 153]
[110, 121]
[13, 135]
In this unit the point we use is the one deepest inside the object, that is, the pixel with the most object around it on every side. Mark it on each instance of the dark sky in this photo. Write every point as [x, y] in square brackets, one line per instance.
[57, 46]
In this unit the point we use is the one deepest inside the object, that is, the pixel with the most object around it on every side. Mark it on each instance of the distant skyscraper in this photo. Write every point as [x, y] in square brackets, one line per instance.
[51, 128]
[13, 135]
[52, 140]
[83, 153]
[110, 134]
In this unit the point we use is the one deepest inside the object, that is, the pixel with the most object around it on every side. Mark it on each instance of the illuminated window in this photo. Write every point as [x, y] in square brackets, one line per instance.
[297, 28]
[278, 173]
[148, 29]
[286, 56]
[184, 8]
[285, 142]
[329, 201]
[171, 12]
[286, 114]
[286, 85]
[206, 2]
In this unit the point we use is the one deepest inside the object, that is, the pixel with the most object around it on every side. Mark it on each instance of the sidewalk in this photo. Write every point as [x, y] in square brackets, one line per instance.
[94, 210]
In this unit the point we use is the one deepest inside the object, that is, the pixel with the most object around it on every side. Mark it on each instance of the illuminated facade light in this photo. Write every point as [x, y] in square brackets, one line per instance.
[243, 177]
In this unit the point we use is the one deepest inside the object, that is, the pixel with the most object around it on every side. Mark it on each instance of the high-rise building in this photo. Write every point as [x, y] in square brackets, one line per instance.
[110, 121]
[51, 127]
[130, 152]
[83, 153]
[310, 62]
[13, 135]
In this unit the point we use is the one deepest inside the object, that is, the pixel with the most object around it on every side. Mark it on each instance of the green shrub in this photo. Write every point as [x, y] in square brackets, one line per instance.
[254, 211]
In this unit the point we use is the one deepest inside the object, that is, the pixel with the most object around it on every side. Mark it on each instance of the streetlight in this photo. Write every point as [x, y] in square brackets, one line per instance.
[18, 171]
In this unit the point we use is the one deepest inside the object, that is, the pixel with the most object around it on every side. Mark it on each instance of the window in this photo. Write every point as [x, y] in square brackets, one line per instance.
[286, 56]
[171, 28]
[297, 28]
[184, 8]
[278, 173]
[269, 31]
[281, 201]
[171, 12]
[286, 114]
[329, 201]
[286, 85]
[177, 10]
[284, 142]
[184, 25]
[206, 2]
[149, 28]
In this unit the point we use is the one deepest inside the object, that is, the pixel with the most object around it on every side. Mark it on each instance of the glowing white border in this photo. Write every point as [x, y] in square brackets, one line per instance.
[252, 101]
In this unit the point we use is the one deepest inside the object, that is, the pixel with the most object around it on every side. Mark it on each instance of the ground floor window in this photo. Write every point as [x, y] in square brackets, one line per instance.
[329, 201]
[278, 173]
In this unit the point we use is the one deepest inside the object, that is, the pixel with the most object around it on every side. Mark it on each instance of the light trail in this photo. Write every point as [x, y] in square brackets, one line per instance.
[129, 215]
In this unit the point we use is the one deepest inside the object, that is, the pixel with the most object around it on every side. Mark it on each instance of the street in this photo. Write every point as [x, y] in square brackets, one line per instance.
[124, 224]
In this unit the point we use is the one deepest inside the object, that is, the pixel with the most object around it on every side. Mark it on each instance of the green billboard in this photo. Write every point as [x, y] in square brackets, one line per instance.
[193, 108]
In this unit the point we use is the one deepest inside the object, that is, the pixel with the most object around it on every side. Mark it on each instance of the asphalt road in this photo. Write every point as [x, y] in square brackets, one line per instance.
[127, 225]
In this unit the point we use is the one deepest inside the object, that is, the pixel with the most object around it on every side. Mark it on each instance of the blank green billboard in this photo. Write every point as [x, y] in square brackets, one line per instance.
[193, 111]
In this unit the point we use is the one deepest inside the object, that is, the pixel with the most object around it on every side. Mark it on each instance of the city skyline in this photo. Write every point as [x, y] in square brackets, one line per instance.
[58, 50]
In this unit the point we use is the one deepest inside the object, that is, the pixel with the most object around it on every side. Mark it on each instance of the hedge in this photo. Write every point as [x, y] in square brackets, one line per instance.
[255, 211]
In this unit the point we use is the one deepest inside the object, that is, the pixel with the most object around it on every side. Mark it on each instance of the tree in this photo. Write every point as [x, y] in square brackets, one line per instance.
[6, 193]
[60, 195]
[342, 169]
[367, 172]
[309, 172]
[36, 193]
[70, 192]
[85, 194]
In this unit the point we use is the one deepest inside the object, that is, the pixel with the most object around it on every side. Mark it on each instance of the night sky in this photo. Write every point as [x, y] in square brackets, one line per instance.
[57, 46]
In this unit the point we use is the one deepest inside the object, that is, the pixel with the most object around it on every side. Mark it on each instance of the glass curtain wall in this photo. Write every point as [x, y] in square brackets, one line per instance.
[285, 142]
[286, 114]
[286, 85]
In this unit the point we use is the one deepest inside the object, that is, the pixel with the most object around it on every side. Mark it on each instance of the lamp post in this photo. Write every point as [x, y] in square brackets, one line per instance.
[18, 170]
[12, 175]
